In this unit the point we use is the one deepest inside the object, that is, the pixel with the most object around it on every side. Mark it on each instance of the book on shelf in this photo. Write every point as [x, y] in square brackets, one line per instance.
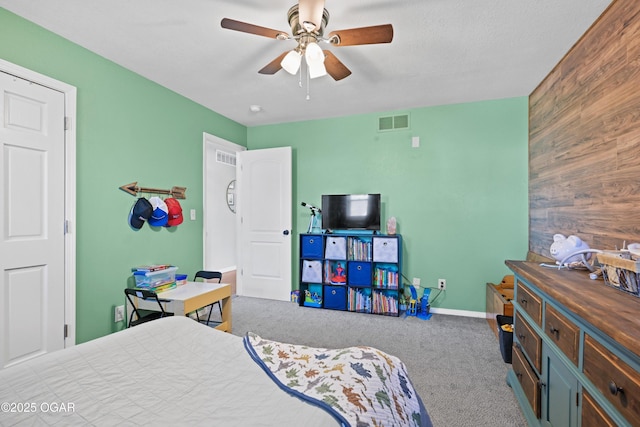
[386, 278]
[359, 250]
[384, 304]
[359, 301]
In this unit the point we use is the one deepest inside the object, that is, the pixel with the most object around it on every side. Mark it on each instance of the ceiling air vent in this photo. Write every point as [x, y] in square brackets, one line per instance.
[390, 123]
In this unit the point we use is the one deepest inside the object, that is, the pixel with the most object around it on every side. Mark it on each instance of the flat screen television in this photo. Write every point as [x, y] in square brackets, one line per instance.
[351, 212]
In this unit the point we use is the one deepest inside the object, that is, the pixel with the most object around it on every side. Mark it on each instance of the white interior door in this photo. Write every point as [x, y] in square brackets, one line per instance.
[32, 215]
[264, 223]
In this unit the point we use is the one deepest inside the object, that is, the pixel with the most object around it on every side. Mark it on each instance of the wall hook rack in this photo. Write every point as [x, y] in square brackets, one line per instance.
[133, 189]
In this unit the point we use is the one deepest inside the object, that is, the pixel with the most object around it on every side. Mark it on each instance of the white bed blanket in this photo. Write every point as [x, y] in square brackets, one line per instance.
[171, 371]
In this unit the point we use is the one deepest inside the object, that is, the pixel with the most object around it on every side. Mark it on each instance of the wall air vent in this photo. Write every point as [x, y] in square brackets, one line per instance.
[226, 158]
[390, 123]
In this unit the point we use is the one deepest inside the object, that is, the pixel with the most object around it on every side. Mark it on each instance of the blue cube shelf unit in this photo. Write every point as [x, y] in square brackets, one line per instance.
[351, 272]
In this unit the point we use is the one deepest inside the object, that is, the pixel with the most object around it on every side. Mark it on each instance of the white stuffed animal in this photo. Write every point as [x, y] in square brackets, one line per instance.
[562, 247]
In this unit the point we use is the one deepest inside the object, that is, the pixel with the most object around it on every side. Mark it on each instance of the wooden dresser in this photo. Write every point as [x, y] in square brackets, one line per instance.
[576, 349]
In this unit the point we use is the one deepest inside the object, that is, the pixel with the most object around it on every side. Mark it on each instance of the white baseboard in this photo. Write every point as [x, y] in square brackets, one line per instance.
[464, 313]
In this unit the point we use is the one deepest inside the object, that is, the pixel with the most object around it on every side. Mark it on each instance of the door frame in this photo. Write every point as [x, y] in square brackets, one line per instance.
[211, 142]
[70, 94]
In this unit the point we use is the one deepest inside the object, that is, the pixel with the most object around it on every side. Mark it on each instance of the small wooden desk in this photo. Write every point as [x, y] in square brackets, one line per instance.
[192, 296]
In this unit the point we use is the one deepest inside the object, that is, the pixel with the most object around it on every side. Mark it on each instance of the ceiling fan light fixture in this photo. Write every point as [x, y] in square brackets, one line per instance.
[314, 54]
[317, 70]
[315, 60]
[291, 62]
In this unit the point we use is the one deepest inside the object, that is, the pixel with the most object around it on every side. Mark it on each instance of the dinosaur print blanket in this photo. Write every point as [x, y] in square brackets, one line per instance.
[360, 386]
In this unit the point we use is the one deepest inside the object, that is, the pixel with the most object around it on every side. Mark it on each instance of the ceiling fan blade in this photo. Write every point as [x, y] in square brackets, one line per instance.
[335, 68]
[243, 27]
[311, 11]
[364, 35]
[273, 66]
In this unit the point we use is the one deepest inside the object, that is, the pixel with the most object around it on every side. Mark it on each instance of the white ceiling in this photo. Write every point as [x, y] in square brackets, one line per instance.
[443, 51]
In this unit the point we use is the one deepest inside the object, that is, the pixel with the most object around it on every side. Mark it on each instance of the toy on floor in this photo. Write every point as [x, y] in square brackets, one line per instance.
[412, 309]
[423, 311]
[425, 307]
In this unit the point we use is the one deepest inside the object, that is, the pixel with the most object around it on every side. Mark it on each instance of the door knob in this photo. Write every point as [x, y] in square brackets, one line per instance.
[285, 232]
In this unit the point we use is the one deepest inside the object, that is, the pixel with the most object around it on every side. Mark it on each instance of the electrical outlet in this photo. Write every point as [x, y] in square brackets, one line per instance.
[442, 284]
[118, 313]
[416, 281]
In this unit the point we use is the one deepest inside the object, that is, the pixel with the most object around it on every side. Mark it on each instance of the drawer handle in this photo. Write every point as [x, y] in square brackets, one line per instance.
[554, 331]
[521, 336]
[518, 374]
[311, 241]
[614, 389]
[523, 301]
[333, 292]
[359, 267]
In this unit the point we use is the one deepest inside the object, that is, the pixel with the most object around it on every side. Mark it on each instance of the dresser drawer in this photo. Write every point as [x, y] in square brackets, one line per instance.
[527, 378]
[592, 413]
[616, 380]
[564, 333]
[530, 341]
[530, 302]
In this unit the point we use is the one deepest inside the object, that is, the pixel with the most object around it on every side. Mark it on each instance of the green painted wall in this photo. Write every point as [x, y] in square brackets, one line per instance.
[460, 199]
[128, 129]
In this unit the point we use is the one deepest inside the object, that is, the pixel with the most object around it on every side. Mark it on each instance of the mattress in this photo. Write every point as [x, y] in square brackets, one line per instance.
[172, 371]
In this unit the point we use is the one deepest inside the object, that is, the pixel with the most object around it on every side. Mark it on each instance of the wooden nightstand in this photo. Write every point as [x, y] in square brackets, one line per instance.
[499, 298]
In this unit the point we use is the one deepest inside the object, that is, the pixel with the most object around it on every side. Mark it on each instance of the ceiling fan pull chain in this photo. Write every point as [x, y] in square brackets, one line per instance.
[308, 97]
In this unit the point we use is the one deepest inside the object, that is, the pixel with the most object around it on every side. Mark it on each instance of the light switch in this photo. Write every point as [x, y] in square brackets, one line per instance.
[193, 214]
[415, 142]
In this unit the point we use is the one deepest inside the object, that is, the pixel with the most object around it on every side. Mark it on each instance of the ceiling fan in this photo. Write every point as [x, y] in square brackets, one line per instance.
[308, 20]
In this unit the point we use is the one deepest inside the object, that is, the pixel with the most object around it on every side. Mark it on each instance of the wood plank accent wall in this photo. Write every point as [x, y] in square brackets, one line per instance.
[584, 138]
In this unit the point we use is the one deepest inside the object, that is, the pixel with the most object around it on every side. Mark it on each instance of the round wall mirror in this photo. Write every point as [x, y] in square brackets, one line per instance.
[231, 196]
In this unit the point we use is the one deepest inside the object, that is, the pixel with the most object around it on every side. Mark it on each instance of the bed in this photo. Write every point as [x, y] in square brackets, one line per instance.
[175, 371]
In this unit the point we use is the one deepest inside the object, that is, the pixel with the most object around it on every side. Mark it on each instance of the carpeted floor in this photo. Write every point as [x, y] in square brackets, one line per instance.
[454, 362]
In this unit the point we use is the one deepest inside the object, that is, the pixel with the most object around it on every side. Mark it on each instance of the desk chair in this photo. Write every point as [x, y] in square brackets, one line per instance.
[209, 275]
[143, 315]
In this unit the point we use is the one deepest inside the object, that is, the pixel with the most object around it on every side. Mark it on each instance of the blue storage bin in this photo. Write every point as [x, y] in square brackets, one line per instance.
[359, 273]
[311, 246]
[335, 297]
